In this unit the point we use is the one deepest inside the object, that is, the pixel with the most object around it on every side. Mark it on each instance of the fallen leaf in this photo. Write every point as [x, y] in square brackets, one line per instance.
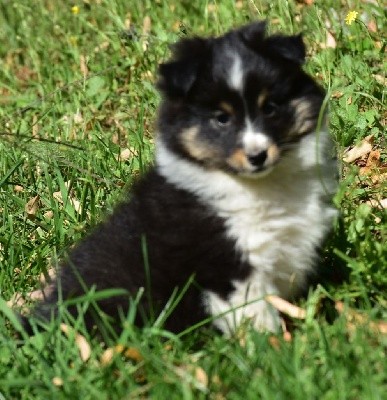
[146, 27]
[83, 66]
[32, 207]
[355, 318]
[381, 204]
[201, 376]
[274, 342]
[373, 158]
[359, 151]
[57, 381]
[133, 354]
[80, 341]
[107, 356]
[330, 41]
[18, 188]
[380, 79]
[25, 74]
[78, 118]
[48, 214]
[337, 94]
[129, 353]
[73, 201]
[372, 26]
[285, 307]
[35, 126]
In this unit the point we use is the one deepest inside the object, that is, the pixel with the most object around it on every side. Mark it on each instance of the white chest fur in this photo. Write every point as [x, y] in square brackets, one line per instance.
[277, 221]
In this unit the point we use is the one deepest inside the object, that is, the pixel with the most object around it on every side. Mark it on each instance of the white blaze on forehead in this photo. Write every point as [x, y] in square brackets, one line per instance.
[235, 78]
[254, 142]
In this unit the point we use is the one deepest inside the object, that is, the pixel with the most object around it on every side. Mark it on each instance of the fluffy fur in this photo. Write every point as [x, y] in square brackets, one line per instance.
[239, 198]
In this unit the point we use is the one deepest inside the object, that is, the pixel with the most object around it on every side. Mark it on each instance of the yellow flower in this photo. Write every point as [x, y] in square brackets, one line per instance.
[351, 17]
[75, 10]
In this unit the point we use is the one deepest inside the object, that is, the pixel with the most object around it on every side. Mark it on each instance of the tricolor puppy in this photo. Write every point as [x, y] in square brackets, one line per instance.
[239, 199]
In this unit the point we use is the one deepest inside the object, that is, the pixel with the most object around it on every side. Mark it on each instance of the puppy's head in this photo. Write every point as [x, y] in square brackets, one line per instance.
[239, 101]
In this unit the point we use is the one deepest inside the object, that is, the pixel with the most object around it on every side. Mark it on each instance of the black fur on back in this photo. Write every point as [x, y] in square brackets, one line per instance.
[183, 238]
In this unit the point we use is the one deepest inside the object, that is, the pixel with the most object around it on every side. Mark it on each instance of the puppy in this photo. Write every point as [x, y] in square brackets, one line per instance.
[239, 199]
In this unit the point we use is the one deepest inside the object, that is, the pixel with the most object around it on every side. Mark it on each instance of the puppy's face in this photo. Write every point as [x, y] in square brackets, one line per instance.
[238, 102]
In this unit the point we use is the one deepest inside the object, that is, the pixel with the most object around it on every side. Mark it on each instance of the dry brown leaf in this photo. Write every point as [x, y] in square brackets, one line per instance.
[18, 188]
[201, 376]
[57, 381]
[35, 126]
[78, 118]
[107, 356]
[285, 307]
[372, 27]
[146, 27]
[274, 342]
[80, 341]
[330, 41]
[337, 94]
[25, 74]
[359, 151]
[193, 374]
[125, 154]
[48, 214]
[74, 202]
[83, 66]
[32, 207]
[133, 354]
[129, 353]
[355, 318]
[373, 158]
[382, 204]
[380, 79]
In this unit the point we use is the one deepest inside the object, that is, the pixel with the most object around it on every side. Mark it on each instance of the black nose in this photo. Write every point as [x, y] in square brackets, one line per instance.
[258, 159]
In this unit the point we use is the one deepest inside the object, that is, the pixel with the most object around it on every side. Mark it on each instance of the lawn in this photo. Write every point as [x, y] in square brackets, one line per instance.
[77, 111]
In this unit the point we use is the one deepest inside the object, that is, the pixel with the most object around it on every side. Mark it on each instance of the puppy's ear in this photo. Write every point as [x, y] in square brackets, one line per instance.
[178, 76]
[253, 34]
[289, 47]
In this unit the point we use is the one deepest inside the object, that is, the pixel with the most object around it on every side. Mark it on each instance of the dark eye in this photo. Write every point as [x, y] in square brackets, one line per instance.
[222, 118]
[269, 108]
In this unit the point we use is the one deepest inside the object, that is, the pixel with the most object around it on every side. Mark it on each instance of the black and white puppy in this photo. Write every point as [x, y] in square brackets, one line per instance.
[238, 199]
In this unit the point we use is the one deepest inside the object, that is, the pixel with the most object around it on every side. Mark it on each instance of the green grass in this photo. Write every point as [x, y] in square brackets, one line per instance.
[77, 89]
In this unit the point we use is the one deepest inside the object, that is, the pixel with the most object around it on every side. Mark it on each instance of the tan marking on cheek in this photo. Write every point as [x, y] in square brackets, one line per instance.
[273, 153]
[262, 98]
[194, 147]
[238, 160]
[227, 107]
[303, 123]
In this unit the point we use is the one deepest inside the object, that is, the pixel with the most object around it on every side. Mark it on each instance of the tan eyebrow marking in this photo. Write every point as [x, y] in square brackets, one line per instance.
[227, 107]
[262, 97]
